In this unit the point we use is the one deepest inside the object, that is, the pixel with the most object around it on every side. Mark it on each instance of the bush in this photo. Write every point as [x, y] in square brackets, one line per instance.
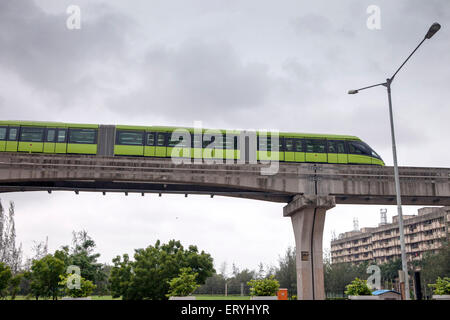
[358, 287]
[86, 287]
[184, 284]
[441, 287]
[264, 287]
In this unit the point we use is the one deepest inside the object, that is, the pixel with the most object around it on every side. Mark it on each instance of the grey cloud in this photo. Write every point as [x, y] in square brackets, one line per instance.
[39, 48]
[196, 80]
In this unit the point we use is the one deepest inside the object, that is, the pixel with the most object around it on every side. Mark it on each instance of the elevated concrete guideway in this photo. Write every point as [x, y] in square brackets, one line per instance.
[308, 189]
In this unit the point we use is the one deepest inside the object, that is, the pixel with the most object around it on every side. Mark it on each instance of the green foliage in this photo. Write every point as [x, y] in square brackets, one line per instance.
[358, 287]
[286, 273]
[45, 276]
[147, 276]
[183, 285]
[68, 281]
[120, 277]
[337, 276]
[264, 287]
[5, 277]
[213, 285]
[81, 254]
[14, 285]
[434, 265]
[441, 287]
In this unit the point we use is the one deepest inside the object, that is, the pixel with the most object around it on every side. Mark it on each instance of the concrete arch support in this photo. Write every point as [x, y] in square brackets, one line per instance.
[307, 214]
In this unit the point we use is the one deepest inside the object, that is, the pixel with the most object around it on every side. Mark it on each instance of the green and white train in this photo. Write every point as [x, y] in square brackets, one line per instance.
[155, 141]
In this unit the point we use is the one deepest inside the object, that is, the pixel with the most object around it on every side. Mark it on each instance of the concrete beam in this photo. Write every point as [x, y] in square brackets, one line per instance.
[308, 219]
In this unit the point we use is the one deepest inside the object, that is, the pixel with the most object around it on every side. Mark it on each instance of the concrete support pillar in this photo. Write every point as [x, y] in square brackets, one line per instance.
[308, 218]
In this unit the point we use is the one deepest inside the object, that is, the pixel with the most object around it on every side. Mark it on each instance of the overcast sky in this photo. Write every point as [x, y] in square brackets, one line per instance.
[252, 64]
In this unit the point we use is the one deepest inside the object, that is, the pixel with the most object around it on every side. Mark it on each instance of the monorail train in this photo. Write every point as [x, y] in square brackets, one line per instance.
[155, 141]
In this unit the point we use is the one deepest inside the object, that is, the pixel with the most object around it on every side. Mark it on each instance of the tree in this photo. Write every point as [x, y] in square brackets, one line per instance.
[337, 276]
[434, 265]
[213, 285]
[240, 278]
[358, 287]
[81, 254]
[389, 271]
[286, 273]
[67, 283]
[184, 284]
[441, 287]
[9, 253]
[147, 276]
[14, 285]
[5, 277]
[121, 277]
[45, 276]
[264, 287]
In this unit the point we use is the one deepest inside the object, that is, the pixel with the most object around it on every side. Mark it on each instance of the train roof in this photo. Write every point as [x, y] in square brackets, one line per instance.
[170, 129]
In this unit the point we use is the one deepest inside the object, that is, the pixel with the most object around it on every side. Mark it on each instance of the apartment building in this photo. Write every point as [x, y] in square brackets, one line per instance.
[424, 232]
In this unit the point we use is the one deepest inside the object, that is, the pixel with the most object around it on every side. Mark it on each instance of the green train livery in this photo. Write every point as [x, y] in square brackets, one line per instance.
[156, 141]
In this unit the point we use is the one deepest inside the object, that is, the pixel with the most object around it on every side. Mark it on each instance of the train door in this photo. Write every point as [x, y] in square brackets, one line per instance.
[61, 141]
[342, 152]
[50, 140]
[161, 144]
[299, 150]
[289, 154]
[12, 139]
[3, 131]
[150, 144]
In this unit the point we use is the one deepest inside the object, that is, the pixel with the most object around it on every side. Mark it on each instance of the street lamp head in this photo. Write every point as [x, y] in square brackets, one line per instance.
[433, 29]
[352, 91]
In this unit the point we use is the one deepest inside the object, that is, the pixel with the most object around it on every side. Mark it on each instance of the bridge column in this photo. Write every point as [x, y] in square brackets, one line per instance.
[307, 214]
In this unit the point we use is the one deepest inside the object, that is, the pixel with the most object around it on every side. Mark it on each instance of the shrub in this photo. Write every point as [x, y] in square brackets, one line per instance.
[441, 287]
[358, 287]
[86, 286]
[264, 287]
[184, 284]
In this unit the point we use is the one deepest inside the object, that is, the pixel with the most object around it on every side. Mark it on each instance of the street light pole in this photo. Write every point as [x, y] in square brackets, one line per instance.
[431, 31]
[399, 198]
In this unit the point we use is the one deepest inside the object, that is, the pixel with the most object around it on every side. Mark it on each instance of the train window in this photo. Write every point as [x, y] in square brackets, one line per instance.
[161, 139]
[2, 133]
[315, 146]
[207, 140]
[196, 140]
[131, 138]
[340, 146]
[12, 134]
[86, 136]
[298, 145]
[357, 147]
[280, 144]
[336, 146]
[177, 143]
[289, 145]
[264, 143]
[151, 139]
[51, 135]
[31, 134]
[62, 133]
[231, 142]
[332, 148]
